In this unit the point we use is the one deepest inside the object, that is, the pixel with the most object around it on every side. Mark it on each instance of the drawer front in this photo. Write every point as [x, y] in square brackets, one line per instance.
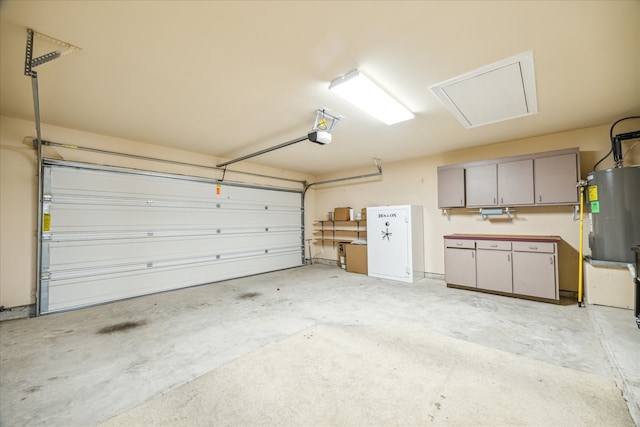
[460, 243]
[534, 247]
[498, 245]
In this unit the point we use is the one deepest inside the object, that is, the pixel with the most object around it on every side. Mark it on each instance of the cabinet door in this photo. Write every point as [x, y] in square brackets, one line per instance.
[534, 274]
[555, 179]
[481, 185]
[515, 183]
[450, 188]
[460, 267]
[494, 270]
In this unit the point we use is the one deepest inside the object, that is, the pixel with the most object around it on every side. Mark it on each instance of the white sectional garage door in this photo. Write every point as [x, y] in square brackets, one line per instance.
[110, 234]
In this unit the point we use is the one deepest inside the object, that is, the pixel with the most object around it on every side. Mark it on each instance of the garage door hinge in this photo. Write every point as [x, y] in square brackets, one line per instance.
[149, 264]
[46, 236]
[45, 276]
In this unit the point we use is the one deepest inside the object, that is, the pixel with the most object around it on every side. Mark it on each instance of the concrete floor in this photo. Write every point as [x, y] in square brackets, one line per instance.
[86, 366]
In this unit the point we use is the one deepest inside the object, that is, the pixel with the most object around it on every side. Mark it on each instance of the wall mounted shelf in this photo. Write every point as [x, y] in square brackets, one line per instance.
[339, 231]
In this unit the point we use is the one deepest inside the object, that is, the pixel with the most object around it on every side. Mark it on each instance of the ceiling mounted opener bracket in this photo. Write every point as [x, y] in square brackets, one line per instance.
[30, 62]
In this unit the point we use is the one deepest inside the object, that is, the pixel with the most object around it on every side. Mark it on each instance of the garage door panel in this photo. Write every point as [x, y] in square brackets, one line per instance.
[174, 202]
[98, 185]
[80, 292]
[90, 218]
[93, 253]
[102, 183]
[116, 234]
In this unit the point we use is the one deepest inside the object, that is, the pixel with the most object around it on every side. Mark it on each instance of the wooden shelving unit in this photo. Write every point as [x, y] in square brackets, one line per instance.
[339, 231]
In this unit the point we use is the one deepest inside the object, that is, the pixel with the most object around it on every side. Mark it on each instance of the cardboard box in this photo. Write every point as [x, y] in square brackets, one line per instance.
[356, 258]
[342, 214]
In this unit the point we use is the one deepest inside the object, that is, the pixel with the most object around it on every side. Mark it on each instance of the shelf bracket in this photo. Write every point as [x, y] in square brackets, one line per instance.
[509, 211]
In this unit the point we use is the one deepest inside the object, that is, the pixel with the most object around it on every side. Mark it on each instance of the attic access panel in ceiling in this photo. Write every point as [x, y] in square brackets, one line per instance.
[500, 91]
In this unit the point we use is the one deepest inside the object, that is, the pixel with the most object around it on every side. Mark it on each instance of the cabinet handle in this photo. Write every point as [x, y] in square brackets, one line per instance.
[551, 260]
[509, 257]
[494, 200]
[533, 248]
[501, 200]
[458, 244]
[539, 197]
[494, 246]
[473, 254]
[460, 202]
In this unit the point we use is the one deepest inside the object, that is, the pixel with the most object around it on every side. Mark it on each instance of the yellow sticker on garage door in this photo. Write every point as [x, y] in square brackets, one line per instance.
[46, 222]
[593, 193]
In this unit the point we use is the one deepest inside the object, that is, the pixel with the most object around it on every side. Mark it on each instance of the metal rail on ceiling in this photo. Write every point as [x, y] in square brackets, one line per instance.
[155, 159]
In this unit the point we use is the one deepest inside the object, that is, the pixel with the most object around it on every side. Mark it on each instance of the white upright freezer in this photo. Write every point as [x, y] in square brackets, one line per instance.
[395, 242]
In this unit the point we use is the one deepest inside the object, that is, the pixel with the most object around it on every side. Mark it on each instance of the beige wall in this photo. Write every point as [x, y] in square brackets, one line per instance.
[18, 189]
[408, 182]
[415, 182]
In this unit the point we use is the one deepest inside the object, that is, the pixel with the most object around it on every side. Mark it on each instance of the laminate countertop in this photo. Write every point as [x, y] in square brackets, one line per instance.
[505, 237]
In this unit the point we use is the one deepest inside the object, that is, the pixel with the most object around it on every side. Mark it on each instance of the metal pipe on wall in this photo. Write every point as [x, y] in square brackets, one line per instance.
[349, 178]
[329, 181]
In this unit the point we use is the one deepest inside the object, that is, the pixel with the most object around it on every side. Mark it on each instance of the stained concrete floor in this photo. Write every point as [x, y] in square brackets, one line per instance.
[83, 367]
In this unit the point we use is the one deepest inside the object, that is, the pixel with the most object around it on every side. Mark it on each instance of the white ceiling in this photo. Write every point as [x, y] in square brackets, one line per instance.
[231, 78]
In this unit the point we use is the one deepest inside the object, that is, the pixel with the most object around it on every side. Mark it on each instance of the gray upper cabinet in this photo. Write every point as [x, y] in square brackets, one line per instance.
[515, 183]
[548, 178]
[556, 179]
[481, 185]
[451, 188]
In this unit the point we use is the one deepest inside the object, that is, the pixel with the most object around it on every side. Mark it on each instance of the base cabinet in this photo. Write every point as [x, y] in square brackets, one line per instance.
[460, 267]
[523, 266]
[535, 270]
[493, 266]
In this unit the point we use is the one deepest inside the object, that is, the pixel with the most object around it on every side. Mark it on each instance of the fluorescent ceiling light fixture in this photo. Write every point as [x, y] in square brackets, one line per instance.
[358, 89]
[500, 91]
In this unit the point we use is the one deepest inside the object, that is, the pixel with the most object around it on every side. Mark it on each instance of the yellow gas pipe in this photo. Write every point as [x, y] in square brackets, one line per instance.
[581, 184]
